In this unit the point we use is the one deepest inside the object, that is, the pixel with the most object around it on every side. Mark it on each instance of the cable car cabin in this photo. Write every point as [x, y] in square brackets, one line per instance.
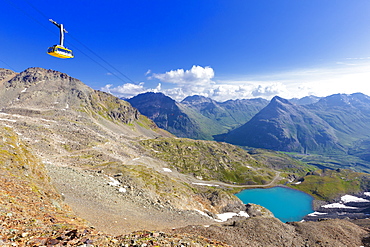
[60, 51]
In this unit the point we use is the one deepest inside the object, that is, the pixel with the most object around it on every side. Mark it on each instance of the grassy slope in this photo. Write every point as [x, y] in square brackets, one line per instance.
[334, 161]
[210, 160]
[330, 184]
[281, 161]
[323, 184]
[206, 126]
[228, 163]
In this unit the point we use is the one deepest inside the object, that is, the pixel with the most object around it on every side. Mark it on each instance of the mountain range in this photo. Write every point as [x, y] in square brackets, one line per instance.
[336, 124]
[196, 117]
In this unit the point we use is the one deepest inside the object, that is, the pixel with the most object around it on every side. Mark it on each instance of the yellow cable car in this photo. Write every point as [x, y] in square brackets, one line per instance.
[59, 50]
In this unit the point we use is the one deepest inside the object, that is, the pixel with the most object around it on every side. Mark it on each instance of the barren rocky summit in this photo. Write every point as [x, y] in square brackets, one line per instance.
[74, 173]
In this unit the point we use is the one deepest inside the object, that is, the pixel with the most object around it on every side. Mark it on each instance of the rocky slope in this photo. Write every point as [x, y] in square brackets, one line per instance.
[262, 231]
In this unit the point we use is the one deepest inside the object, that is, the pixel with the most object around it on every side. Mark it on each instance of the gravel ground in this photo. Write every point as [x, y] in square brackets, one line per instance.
[92, 198]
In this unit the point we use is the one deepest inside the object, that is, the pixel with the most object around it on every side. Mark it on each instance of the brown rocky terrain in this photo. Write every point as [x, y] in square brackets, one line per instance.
[262, 231]
[73, 174]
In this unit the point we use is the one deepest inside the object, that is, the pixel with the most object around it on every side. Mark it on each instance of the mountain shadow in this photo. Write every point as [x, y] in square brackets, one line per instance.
[284, 126]
[349, 115]
[196, 117]
[166, 113]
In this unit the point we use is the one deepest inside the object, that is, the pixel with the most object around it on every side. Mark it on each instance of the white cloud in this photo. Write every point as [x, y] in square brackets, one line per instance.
[197, 80]
[270, 90]
[128, 90]
[342, 78]
[197, 75]
[339, 78]
[180, 83]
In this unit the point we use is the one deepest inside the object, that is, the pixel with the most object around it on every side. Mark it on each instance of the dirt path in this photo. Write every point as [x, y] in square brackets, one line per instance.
[218, 183]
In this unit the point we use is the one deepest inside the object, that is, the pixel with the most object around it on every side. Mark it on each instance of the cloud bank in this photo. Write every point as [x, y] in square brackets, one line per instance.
[128, 90]
[198, 80]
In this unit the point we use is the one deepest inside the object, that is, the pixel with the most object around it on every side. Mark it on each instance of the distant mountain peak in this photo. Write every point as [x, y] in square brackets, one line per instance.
[339, 100]
[196, 99]
[158, 94]
[154, 99]
[284, 126]
[36, 75]
[277, 102]
[40, 90]
[6, 74]
[311, 99]
[280, 100]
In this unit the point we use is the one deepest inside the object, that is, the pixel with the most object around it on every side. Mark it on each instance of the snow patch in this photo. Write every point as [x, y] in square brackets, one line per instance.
[297, 183]
[337, 205]
[225, 216]
[203, 213]
[122, 190]
[114, 182]
[316, 214]
[349, 198]
[167, 170]
[243, 213]
[367, 193]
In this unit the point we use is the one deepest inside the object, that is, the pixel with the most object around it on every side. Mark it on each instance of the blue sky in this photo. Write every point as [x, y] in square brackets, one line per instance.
[223, 49]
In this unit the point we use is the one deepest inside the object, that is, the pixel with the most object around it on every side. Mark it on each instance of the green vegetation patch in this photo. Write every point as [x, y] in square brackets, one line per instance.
[329, 184]
[210, 160]
[281, 161]
[334, 161]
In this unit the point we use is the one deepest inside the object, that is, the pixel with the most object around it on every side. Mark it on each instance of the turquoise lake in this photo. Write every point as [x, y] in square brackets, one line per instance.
[286, 204]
